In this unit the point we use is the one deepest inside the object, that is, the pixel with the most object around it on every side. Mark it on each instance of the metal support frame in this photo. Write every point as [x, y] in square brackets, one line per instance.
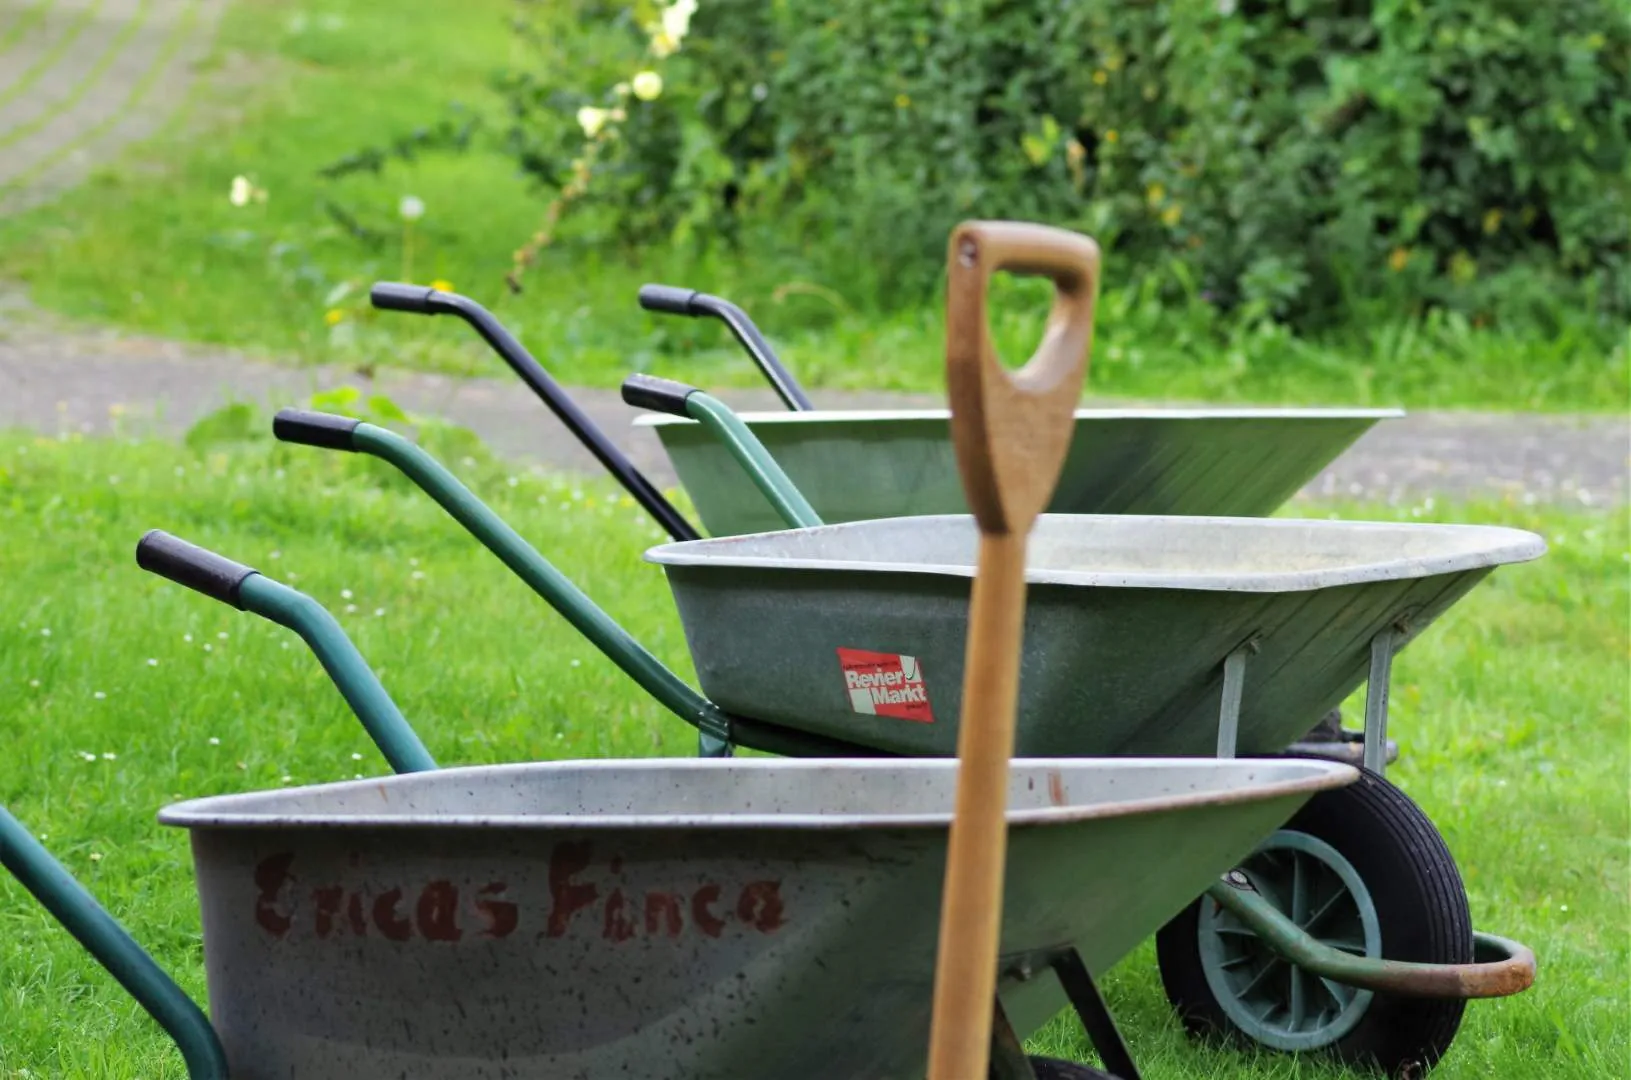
[1234, 684]
[1094, 1015]
[1376, 700]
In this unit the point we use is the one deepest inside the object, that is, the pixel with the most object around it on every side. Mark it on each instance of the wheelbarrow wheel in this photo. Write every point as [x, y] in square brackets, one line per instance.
[1362, 868]
[1057, 1069]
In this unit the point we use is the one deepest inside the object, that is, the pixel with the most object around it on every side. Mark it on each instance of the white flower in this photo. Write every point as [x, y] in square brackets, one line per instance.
[151, 662]
[186, 637]
[621, 89]
[214, 741]
[222, 635]
[345, 594]
[99, 695]
[647, 85]
[677, 19]
[356, 757]
[45, 631]
[378, 612]
[663, 45]
[35, 683]
[110, 756]
[242, 191]
[96, 856]
[412, 208]
[591, 120]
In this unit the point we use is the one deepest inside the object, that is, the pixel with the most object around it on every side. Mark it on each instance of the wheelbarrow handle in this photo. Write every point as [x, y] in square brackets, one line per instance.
[674, 300]
[678, 399]
[322, 430]
[657, 394]
[246, 589]
[112, 946]
[423, 300]
[1500, 968]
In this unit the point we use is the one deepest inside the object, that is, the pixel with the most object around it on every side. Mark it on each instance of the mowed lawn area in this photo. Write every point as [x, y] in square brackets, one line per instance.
[124, 692]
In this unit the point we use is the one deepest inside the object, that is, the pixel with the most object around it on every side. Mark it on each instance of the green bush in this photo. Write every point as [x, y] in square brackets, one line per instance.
[1309, 160]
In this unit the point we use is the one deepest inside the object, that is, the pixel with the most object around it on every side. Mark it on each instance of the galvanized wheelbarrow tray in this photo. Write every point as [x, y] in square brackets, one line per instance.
[1330, 611]
[855, 466]
[696, 919]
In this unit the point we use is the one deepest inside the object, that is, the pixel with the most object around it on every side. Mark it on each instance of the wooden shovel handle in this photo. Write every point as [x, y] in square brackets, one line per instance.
[1011, 429]
[1011, 432]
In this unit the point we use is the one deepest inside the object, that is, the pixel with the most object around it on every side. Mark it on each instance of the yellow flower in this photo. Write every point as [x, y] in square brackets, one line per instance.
[1463, 267]
[902, 101]
[663, 45]
[334, 316]
[1112, 136]
[1399, 259]
[1074, 150]
[591, 120]
[1100, 77]
[647, 85]
[1172, 215]
[1155, 195]
[1492, 222]
[442, 285]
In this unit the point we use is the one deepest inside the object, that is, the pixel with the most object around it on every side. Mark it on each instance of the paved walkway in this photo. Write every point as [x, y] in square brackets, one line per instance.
[56, 379]
[79, 79]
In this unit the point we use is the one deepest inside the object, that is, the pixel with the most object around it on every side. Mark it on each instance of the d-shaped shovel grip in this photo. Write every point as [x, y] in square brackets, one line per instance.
[1012, 429]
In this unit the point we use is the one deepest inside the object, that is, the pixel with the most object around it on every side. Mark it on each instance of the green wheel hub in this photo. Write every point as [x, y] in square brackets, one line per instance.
[1270, 1000]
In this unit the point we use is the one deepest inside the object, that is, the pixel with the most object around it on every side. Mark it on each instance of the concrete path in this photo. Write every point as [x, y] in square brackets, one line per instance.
[53, 379]
[79, 79]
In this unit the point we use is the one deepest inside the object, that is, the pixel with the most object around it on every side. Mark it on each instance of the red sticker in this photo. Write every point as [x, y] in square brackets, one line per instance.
[885, 684]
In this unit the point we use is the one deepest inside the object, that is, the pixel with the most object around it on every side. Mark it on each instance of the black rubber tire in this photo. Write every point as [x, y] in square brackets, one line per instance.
[1056, 1069]
[1421, 906]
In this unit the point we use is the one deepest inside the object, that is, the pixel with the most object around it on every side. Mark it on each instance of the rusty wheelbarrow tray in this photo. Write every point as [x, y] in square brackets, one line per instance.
[706, 919]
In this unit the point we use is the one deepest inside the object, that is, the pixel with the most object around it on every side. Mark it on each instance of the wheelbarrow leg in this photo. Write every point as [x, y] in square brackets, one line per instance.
[1094, 1014]
[1376, 695]
[1008, 1060]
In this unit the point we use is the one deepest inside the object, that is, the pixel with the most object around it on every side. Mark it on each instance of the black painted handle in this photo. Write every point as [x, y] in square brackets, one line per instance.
[323, 430]
[658, 395]
[669, 299]
[216, 576]
[396, 296]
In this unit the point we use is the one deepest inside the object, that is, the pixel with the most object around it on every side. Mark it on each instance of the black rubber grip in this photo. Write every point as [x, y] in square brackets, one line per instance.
[670, 299]
[395, 296]
[216, 576]
[658, 395]
[324, 430]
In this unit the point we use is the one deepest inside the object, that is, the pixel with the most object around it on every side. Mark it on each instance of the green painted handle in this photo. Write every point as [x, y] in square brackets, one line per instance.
[556, 588]
[774, 484]
[248, 590]
[113, 948]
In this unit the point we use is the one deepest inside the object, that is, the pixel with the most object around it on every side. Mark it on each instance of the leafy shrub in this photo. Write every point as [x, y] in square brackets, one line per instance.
[1300, 159]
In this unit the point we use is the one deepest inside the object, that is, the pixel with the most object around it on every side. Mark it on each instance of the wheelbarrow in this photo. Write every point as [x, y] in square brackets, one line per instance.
[872, 465]
[1142, 636]
[859, 465]
[657, 918]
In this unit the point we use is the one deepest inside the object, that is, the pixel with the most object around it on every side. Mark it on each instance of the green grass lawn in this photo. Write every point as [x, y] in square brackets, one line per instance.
[152, 243]
[123, 692]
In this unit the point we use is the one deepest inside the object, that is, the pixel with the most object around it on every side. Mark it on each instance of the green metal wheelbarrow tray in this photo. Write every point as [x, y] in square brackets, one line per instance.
[1282, 644]
[704, 919]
